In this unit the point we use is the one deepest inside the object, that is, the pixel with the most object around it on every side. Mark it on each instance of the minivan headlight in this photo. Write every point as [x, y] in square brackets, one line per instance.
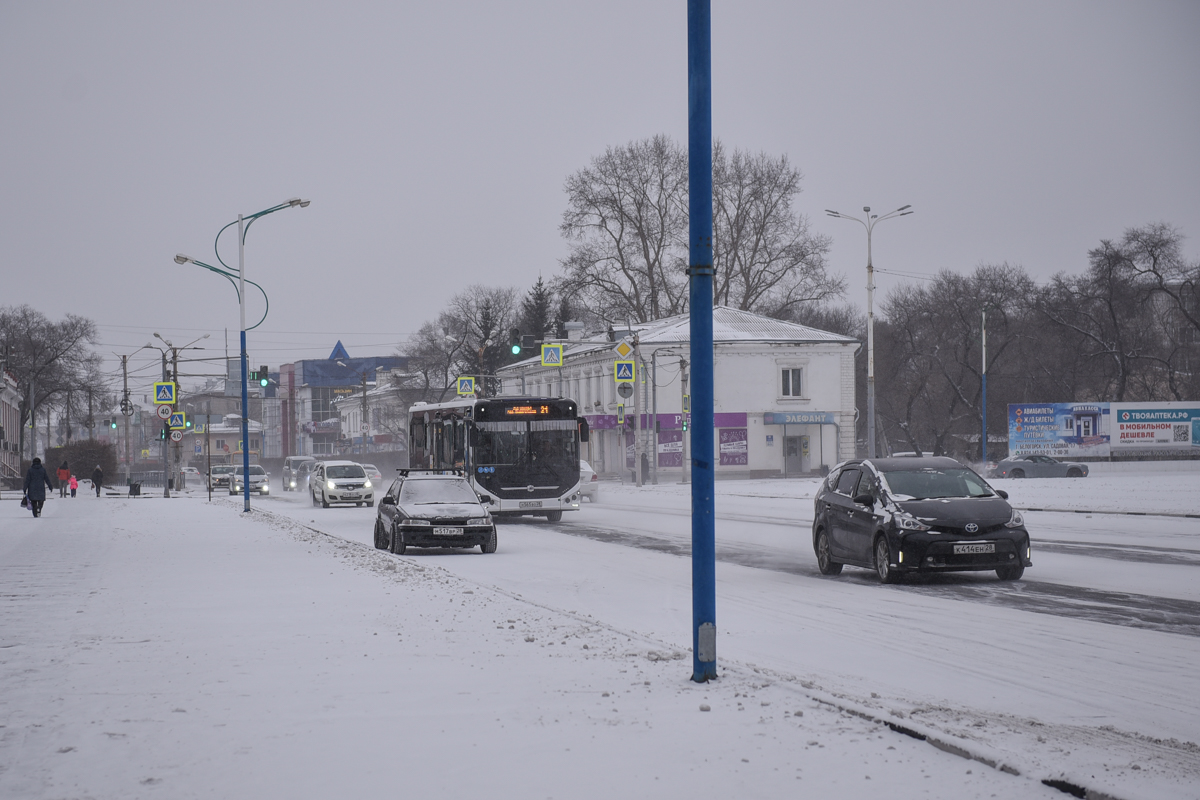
[367, 484]
[908, 522]
[1015, 521]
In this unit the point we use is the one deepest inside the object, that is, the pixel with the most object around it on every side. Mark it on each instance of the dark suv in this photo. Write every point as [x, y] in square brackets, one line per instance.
[292, 481]
[922, 514]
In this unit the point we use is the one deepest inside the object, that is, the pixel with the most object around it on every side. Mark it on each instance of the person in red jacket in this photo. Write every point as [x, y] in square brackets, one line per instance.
[64, 475]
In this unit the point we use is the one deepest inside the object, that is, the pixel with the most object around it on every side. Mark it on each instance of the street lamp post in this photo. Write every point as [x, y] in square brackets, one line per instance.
[243, 223]
[869, 223]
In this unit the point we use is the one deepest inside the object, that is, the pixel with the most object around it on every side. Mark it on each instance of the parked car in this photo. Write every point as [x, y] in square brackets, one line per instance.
[1033, 466]
[589, 482]
[432, 509]
[916, 514]
[219, 476]
[260, 480]
[291, 467]
[340, 482]
[374, 474]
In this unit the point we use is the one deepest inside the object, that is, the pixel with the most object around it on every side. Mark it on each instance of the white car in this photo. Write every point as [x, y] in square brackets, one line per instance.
[260, 480]
[589, 482]
[374, 474]
[340, 482]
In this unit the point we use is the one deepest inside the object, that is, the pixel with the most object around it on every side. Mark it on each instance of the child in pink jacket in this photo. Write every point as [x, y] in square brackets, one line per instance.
[74, 485]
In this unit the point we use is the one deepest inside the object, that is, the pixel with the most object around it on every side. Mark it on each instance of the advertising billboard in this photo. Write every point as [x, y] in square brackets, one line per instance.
[1160, 429]
[1067, 430]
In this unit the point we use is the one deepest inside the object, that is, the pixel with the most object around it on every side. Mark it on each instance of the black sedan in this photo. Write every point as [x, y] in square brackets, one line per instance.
[906, 515]
[432, 508]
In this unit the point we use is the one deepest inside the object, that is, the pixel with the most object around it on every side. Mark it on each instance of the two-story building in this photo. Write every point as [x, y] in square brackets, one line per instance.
[783, 394]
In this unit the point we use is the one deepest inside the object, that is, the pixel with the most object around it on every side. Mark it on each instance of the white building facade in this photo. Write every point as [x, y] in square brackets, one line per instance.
[783, 396]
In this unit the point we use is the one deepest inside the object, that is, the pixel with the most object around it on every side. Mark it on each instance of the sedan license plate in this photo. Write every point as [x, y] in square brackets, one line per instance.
[974, 548]
[350, 496]
[447, 531]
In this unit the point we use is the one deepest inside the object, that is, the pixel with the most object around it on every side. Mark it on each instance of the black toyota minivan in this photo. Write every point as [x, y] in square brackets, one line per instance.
[916, 514]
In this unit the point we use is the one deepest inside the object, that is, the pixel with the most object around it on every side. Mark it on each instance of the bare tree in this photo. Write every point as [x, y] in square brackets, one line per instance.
[47, 358]
[626, 220]
[767, 260]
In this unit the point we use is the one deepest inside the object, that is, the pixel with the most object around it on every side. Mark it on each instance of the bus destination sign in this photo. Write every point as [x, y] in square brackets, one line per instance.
[526, 411]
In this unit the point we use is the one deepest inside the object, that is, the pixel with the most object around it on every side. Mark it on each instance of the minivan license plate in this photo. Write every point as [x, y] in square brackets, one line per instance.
[974, 548]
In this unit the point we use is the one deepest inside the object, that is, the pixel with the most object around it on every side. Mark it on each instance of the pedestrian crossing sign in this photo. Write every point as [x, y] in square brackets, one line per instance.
[178, 421]
[466, 386]
[552, 355]
[623, 371]
[164, 392]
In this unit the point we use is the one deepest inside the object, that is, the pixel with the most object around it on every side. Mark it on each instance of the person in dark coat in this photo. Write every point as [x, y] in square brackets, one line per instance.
[37, 480]
[64, 475]
[97, 479]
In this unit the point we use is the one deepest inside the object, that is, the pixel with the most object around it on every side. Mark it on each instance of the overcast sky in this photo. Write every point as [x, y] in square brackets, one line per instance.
[434, 139]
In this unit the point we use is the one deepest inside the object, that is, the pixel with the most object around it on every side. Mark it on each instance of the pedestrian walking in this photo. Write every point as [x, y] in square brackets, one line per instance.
[37, 480]
[64, 475]
[97, 479]
[74, 485]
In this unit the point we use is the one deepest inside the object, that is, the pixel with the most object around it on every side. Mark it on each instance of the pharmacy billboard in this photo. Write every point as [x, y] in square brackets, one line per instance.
[1062, 430]
[1160, 429]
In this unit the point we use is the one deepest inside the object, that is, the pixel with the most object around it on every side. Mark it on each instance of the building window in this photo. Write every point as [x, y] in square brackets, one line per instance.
[793, 383]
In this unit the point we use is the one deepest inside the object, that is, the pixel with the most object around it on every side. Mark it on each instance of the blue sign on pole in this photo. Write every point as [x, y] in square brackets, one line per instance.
[623, 371]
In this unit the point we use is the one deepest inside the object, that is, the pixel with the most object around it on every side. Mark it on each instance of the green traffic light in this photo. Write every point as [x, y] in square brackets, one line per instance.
[516, 349]
[114, 424]
[263, 382]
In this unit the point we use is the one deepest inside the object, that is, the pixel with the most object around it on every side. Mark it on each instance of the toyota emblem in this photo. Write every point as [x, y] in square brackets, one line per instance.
[972, 527]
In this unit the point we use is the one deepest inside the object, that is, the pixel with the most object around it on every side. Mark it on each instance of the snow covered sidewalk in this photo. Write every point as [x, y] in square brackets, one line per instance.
[176, 648]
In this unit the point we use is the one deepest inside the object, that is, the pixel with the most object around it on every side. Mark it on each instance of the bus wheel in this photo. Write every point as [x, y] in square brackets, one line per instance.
[554, 516]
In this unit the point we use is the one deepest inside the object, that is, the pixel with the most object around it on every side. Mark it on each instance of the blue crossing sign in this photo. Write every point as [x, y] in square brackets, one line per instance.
[164, 392]
[466, 386]
[621, 414]
[552, 355]
[623, 371]
[178, 421]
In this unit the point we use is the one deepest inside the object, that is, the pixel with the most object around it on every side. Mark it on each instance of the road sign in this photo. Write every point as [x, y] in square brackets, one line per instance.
[164, 412]
[625, 389]
[176, 436]
[145, 454]
[364, 427]
[623, 371]
[621, 414]
[552, 355]
[178, 421]
[198, 450]
[164, 392]
[623, 349]
[687, 403]
[466, 386]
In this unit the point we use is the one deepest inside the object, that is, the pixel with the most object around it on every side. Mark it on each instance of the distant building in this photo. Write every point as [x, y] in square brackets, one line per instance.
[10, 429]
[783, 394]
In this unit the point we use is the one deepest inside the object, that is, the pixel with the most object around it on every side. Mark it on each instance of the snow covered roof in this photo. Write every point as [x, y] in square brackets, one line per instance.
[730, 326]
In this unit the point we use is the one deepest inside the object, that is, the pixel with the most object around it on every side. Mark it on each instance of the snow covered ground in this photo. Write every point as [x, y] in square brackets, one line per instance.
[154, 648]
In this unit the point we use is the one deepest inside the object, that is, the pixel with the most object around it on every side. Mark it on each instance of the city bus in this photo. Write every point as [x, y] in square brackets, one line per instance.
[522, 453]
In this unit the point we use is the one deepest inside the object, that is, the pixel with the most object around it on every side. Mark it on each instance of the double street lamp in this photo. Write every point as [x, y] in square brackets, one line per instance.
[869, 223]
[243, 223]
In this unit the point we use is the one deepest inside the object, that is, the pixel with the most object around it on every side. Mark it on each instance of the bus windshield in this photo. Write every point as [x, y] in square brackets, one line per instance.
[545, 447]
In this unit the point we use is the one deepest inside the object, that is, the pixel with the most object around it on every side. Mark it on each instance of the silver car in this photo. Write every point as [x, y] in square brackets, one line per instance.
[589, 482]
[1035, 466]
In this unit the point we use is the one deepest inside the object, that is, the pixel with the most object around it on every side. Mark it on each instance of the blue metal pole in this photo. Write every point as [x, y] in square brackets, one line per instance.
[700, 298]
[983, 389]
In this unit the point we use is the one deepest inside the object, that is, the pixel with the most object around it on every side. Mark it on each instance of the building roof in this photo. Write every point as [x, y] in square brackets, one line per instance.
[730, 326]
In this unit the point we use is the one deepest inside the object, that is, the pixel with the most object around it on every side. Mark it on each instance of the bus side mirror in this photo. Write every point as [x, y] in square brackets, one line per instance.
[583, 429]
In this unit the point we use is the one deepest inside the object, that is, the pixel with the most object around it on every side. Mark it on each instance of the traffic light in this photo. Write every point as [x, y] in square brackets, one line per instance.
[515, 342]
[263, 380]
[112, 423]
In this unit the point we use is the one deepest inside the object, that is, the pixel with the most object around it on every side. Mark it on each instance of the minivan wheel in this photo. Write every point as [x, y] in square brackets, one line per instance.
[883, 566]
[1012, 573]
[825, 561]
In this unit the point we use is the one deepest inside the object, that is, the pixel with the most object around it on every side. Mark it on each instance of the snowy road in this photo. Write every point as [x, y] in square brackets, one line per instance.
[1098, 644]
